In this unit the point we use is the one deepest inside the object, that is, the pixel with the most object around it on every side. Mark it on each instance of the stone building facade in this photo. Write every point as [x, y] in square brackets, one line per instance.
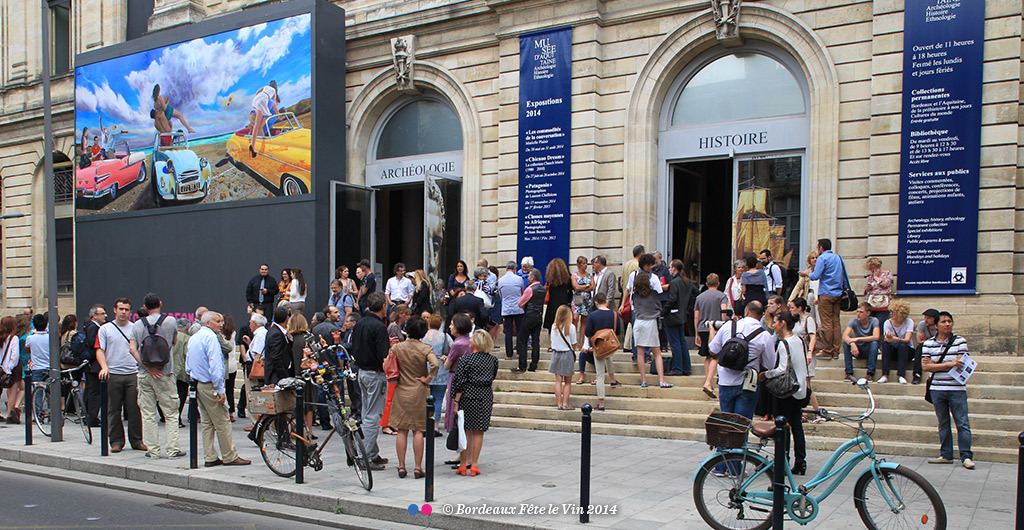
[633, 62]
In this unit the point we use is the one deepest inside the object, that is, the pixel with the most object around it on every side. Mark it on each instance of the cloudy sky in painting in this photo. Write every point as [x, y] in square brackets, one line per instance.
[210, 80]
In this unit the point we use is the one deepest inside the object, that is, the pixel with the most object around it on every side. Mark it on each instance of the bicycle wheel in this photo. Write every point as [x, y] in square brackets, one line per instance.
[278, 448]
[715, 492]
[83, 417]
[357, 454]
[41, 414]
[921, 506]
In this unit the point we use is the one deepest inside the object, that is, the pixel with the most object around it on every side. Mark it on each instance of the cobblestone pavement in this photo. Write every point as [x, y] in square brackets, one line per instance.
[646, 481]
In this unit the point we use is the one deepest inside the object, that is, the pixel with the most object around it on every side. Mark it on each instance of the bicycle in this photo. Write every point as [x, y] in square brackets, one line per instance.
[740, 494]
[276, 434]
[41, 395]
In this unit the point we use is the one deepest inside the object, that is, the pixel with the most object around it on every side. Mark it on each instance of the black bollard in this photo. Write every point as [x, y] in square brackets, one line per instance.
[104, 434]
[193, 426]
[28, 408]
[428, 494]
[585, 465]
[779, 486]
[300, 424]
[1020, 482]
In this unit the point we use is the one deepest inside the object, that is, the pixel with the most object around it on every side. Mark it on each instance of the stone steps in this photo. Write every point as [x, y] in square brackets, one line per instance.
[905, 423]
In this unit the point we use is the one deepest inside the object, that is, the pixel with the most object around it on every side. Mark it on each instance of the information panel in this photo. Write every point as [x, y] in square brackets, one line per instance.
[941, 146]
[545, 125]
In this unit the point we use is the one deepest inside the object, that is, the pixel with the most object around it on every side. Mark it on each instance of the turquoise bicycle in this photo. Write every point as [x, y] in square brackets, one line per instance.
[733, 487]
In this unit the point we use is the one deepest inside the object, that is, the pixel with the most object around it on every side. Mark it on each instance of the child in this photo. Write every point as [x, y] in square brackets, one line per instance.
[563, 358]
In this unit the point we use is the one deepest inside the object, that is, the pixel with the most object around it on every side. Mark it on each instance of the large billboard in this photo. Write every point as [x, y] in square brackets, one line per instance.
[225, 117]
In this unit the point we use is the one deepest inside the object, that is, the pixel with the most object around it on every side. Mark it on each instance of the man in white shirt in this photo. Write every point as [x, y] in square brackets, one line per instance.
[773, 271]
[258, 326]
[735, 396]
[399, 289]
[122, 376]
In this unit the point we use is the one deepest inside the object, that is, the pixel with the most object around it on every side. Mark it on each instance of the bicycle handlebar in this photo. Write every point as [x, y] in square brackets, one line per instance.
[829, 416]
[75, 369]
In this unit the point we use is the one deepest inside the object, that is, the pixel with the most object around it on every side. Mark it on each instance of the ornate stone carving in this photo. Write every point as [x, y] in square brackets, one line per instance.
[403, 55]
[171, 13]
[727, 21]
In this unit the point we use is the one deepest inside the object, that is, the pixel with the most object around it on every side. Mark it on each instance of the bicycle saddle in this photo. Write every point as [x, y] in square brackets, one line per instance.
[290, 383]
[761, 430]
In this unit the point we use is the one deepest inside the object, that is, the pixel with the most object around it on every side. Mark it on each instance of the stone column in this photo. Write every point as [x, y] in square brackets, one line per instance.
[170, 13]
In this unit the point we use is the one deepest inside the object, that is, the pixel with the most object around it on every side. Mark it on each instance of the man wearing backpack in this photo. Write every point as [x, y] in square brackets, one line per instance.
[736, 388]
[97, 317]
[151, 340]
[773, 271]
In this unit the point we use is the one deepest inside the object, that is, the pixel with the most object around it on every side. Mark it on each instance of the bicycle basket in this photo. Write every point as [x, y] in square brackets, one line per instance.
[725, 429]
[270, 401]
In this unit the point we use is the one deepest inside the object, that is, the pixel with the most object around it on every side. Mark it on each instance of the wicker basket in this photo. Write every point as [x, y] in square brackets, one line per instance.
[725, 429]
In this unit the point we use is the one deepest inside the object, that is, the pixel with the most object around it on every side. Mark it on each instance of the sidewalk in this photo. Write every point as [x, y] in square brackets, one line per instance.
[647, 481]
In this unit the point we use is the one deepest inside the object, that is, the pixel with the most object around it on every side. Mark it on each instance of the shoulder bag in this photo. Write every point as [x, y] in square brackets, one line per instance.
[847, 300]
[605, 342]
[783, 385]
[256, 371]
[573, 350]
[928, 383]
[391, 363]
[7, 380]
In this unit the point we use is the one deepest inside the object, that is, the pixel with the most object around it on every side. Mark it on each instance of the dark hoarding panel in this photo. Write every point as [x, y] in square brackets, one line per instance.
[941, 146]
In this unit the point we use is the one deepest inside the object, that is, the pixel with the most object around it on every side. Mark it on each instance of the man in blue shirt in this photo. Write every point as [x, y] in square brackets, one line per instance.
[830, 270]
[510, 290]
[205, 364]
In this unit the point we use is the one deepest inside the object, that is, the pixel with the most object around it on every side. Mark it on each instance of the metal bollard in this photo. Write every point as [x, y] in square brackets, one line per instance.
[779, 486]
[28, 408]
[1020, 482]
[104, 434]
[428, 494]
[300, 425]
[585, 464]
[193, 425]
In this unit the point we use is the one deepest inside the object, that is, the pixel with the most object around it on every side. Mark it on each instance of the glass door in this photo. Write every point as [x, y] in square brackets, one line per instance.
[442, 233]
[352, 230]
[767, 209]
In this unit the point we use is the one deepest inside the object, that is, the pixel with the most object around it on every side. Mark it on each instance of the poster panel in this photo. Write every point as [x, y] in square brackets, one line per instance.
[220, 118]
[941, 146]
[545, 126]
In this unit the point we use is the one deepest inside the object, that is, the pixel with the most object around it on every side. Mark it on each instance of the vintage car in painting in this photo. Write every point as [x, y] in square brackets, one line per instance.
[107, 178]
[178, 173]
[283, 154]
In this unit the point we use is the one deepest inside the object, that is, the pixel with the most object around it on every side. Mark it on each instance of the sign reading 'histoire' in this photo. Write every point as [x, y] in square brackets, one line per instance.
[545, 125]
[941, 146]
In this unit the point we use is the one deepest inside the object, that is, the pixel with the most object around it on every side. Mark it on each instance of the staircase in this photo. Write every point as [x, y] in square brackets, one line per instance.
[905, 424]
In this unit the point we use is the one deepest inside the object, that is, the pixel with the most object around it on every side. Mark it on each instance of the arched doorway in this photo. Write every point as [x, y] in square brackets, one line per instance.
[732, 142]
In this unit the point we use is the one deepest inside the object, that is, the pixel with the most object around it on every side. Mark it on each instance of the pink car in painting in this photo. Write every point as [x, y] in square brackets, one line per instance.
[109, 177]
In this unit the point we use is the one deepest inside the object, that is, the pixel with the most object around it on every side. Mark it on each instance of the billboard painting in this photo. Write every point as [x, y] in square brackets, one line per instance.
[221, 118]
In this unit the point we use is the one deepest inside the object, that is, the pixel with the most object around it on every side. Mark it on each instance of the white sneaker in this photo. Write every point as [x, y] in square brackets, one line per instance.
[903, 380]
[968, 463]
[883, 379]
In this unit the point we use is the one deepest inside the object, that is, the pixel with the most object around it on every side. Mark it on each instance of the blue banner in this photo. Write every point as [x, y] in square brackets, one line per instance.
[941, 146]
[545, 126]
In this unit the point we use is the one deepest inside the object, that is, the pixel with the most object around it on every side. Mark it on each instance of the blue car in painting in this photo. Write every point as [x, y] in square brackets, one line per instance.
[178, 173]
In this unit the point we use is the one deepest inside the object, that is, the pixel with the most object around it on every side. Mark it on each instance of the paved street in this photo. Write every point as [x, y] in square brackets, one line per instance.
[647, 481]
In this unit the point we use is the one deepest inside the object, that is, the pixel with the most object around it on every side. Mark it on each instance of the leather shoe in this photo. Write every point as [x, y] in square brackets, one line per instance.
[800, 468]
[238, 462]
[215, 463]
[379, 460]
[376, 467]
[116, 448]
[140, 447]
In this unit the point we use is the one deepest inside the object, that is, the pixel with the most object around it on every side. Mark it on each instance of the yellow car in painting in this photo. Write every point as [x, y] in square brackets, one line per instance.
[283, 154]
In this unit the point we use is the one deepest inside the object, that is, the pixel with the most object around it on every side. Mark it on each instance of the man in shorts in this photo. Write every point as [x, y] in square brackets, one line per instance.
[711, 305]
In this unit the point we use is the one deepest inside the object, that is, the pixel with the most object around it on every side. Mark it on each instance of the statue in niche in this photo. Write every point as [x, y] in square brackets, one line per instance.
[402, 58]
[727, 14]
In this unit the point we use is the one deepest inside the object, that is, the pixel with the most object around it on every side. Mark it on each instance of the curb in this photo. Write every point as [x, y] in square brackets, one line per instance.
[259, 499]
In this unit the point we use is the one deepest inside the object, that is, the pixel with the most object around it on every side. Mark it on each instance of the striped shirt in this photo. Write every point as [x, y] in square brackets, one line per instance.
[933, 348]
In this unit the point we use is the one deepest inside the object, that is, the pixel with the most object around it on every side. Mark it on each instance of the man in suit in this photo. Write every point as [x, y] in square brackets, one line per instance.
[605, 281]
[259, 294]
[277, 356]
[469, 303]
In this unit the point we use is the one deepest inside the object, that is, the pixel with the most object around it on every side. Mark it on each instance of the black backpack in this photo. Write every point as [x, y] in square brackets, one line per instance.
[154, 350]
[735, 353]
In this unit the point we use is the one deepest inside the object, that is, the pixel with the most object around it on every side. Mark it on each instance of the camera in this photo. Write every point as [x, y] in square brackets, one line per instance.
[717, 324]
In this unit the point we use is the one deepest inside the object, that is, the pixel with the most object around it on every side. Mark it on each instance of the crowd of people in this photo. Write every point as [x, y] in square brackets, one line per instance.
[443, 338]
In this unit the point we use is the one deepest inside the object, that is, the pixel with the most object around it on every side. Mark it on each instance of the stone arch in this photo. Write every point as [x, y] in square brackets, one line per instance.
[757, 22]
[374, 99]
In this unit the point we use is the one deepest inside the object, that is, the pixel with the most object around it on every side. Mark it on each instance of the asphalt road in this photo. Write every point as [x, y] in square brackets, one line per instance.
[33, 502]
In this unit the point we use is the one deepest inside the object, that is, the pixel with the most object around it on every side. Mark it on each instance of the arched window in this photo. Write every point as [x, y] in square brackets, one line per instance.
[420, 127]
[738, 86]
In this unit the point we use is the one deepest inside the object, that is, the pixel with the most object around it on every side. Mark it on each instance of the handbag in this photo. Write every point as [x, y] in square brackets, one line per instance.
[256, 371]
[928, 383]
[879, 302]
[626, 311]
[391, 363]
[452, 443]
[605, 342]
[784, 385]
[848, 299]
